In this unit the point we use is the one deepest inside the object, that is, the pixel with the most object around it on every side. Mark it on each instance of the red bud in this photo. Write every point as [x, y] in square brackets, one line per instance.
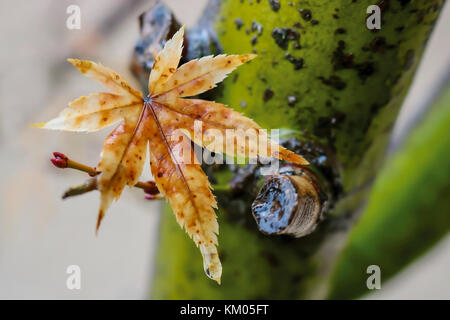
[60, 160]
[60, 155]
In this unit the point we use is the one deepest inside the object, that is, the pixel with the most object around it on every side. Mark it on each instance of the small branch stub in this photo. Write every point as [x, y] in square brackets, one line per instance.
[87, 186]
[289, 203]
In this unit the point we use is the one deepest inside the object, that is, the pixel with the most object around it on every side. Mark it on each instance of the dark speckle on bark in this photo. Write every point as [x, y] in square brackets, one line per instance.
[342, 60]
[306, 14]
[297, 62]
[282, 36]
[268, 94]
[239, 23]
[257, 27]
[275, 5]
[365, 69]
[334, 81]
[340, 31]
[379, 44]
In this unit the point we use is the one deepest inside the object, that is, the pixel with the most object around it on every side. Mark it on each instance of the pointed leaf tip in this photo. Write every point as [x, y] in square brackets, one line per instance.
[99, 221]
[38, 125]
[73, 61]
[166, 62]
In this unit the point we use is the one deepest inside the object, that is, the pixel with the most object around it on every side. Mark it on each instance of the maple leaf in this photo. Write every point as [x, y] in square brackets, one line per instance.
[152, 121]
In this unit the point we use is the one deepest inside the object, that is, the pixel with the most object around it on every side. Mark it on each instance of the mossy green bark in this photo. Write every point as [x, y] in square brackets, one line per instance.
[352, 80]
[348, 83]
[179, 272]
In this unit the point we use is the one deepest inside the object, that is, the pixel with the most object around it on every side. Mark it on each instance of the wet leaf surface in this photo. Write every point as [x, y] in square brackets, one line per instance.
[155, 121]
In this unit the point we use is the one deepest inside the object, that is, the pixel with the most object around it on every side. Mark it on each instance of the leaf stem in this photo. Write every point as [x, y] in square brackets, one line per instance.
[62, 161]
[82, 167]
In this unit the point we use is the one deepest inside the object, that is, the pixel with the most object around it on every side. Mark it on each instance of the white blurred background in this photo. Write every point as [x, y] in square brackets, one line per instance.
[41, 235]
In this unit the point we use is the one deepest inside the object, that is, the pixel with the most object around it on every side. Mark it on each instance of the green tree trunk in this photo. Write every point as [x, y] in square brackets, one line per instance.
[410, 197]
[336, 87]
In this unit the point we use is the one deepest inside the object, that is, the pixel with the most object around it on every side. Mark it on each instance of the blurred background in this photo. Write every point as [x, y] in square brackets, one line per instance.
[41, 235]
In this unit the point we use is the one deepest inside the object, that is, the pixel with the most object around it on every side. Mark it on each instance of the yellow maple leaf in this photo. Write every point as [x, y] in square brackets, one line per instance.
[152, 121]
